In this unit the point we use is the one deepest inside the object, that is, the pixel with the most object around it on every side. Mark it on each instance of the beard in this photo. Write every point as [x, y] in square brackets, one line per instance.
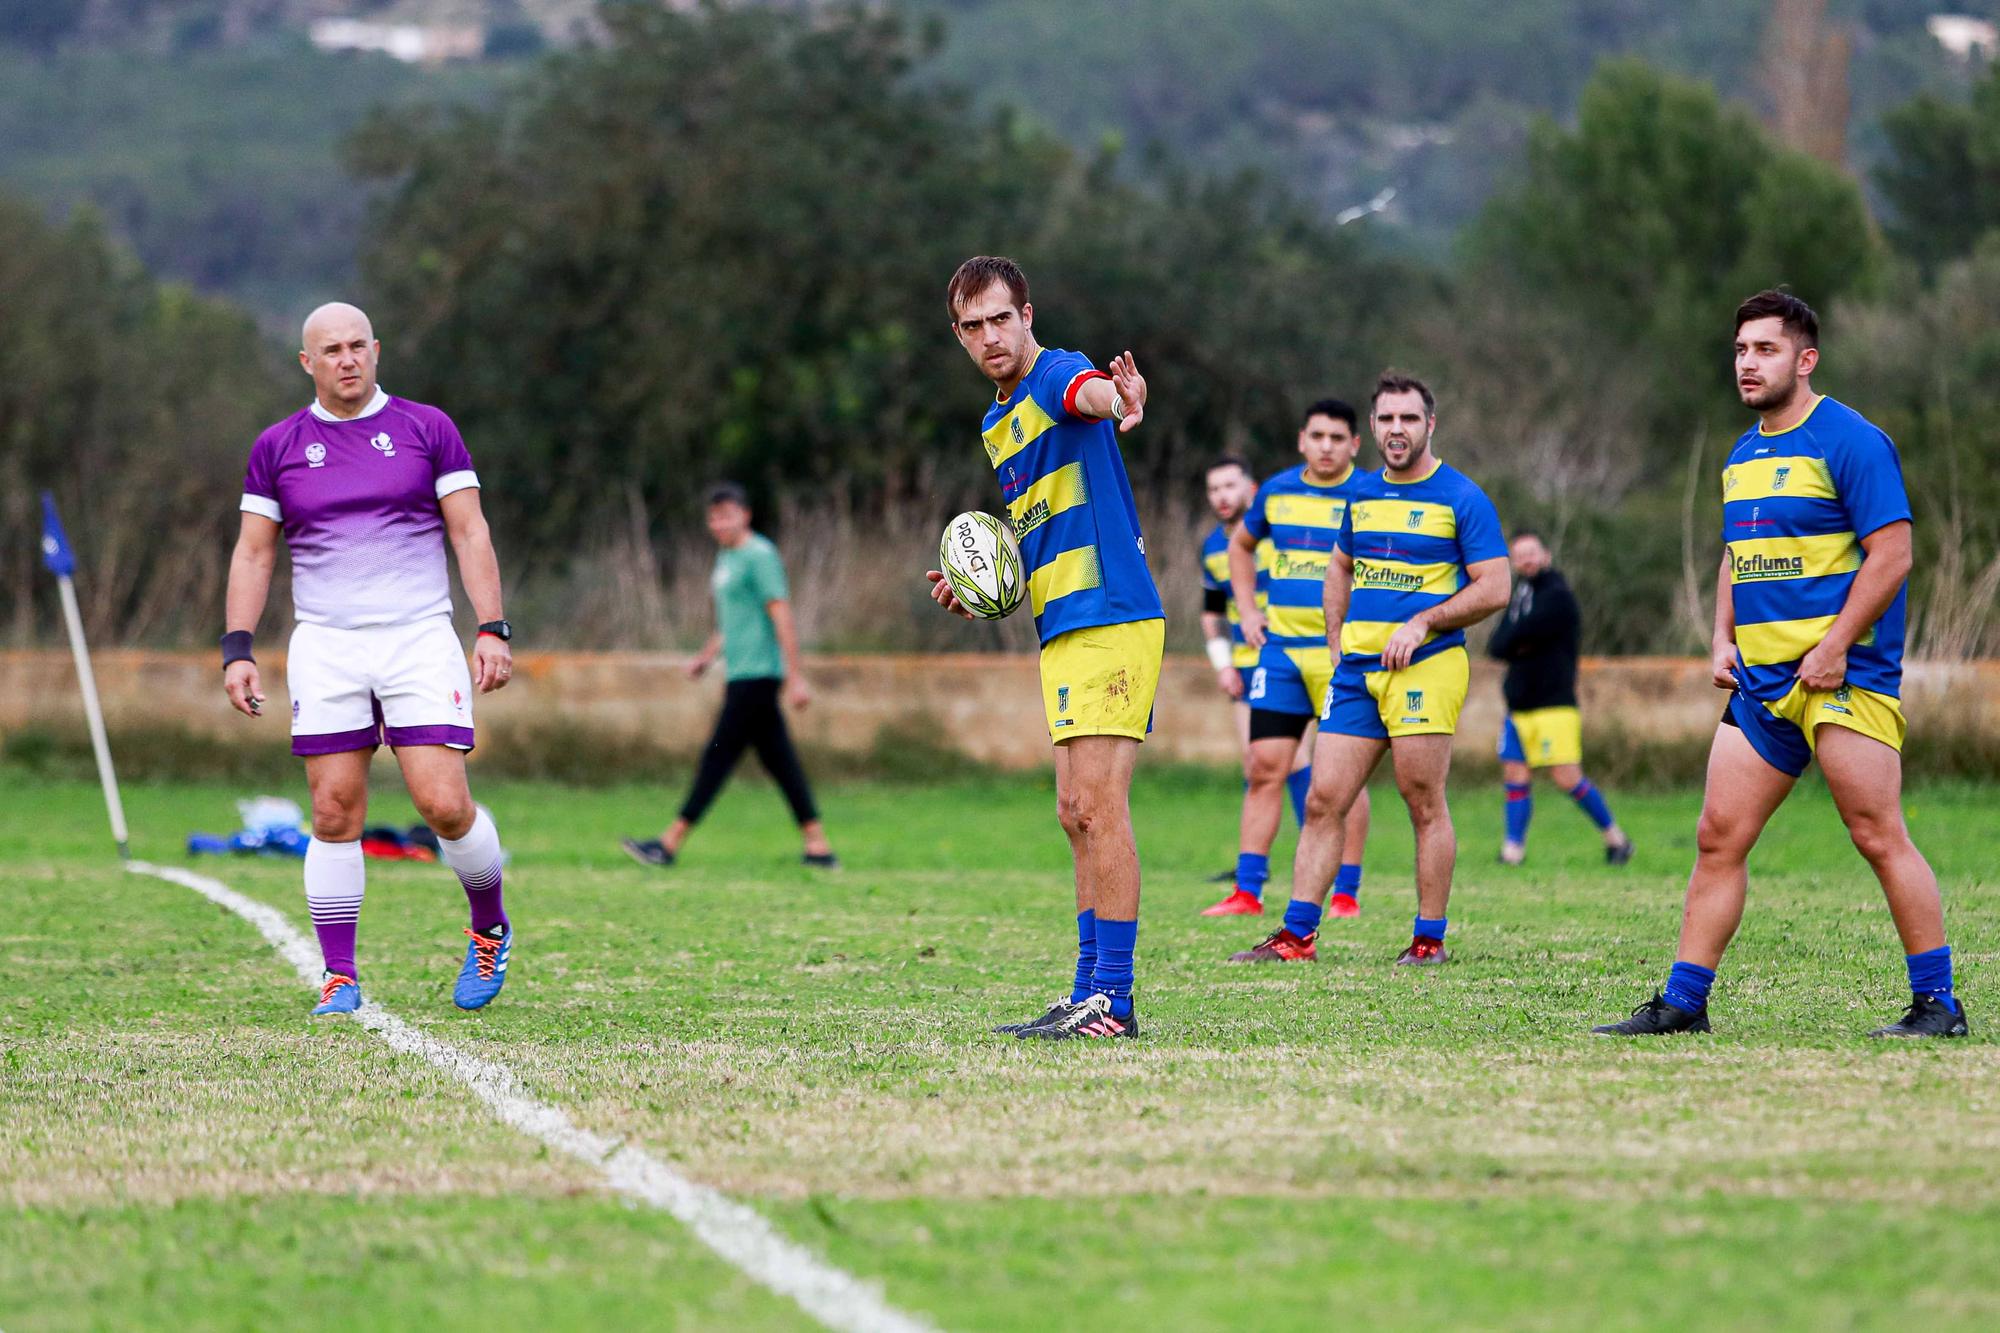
[1768, 394]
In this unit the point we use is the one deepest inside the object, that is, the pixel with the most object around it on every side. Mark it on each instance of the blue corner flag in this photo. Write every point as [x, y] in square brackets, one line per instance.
[55, 545]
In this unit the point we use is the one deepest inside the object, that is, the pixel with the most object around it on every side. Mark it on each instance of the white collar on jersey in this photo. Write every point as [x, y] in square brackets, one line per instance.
[375, 404]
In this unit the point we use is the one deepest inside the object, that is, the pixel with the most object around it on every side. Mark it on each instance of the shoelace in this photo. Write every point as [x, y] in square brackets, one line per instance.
[1094, 1007]
[332, 984]
[488, 955]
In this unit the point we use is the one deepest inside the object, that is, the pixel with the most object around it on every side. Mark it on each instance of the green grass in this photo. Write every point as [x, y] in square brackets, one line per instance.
[1301, 1147]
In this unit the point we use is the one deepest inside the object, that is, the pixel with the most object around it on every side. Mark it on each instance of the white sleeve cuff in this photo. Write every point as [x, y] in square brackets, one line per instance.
[457, 481]
[264, 505]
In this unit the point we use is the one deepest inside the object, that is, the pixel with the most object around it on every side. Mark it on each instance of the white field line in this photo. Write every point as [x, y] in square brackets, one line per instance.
[738, 1233]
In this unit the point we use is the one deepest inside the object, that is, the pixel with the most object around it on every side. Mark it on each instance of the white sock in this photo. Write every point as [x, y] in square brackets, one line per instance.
[476, 860]
[336, 880]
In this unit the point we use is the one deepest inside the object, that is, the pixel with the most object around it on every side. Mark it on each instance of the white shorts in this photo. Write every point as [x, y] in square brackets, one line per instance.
[350, 685]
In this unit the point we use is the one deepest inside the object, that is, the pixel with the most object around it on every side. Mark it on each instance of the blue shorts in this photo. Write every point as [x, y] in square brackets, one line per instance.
[1785, 732]
[1422, 699]
[1292, 681]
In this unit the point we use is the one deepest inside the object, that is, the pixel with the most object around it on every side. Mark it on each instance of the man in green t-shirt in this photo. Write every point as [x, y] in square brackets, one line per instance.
[759, 643]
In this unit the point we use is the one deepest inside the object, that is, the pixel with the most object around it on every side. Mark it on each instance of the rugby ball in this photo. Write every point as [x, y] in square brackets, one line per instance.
[980, 557]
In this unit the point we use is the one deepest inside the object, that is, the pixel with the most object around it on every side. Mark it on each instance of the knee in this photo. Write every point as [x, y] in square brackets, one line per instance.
[448, 813]
[1876, 838]
[1717, 838]
[1322, 803]
[1073, 812]
[338, 812]
[1267, 770]
[1426, 803]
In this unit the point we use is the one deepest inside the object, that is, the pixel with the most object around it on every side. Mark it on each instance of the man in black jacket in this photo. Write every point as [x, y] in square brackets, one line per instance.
[1537, 639]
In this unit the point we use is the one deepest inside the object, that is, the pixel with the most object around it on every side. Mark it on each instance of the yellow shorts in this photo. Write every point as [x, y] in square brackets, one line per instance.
[1101, 681]
[1543, 737]
[1785, 731]
[1419, 700]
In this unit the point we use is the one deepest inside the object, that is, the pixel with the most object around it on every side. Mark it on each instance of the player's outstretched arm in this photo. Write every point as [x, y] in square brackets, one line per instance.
[1122, 397]
[250, 566]
[479, 571]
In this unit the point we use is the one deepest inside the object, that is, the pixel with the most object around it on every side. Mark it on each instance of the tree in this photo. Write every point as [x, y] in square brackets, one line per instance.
[1942, 178]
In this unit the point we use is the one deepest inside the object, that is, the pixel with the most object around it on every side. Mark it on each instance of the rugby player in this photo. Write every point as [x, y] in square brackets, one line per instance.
[1230, 488]
[1298, 512]
[364, 489]
[1052, 438]
[1419, 558]
[1537, 638]
[1810, 609]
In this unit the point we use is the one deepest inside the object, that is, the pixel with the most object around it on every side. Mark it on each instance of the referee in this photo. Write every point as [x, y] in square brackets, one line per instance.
[758, 641]
[1537, 639]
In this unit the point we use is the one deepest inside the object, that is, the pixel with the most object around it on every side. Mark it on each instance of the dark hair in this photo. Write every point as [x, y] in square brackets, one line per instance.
[1332, 407]
[1395, 381]
[978, 273]
[1798, 317]
[1227, 460]
[725, 493]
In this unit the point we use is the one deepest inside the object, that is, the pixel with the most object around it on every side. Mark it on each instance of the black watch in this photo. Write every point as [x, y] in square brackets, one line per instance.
[499, 629]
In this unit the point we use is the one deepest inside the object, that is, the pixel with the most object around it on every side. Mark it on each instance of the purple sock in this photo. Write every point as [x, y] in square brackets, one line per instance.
[476, 860]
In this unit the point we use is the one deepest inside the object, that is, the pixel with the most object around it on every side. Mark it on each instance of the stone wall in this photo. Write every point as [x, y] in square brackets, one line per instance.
[987, 706]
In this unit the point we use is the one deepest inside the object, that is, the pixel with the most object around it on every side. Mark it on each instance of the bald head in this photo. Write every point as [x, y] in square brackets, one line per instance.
[338, 349]
[336, 319]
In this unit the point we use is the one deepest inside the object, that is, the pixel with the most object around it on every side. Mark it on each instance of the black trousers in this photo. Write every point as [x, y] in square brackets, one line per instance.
[751, 719]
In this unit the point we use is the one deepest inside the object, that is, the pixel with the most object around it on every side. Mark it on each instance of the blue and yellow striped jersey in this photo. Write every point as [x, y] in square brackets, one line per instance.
[1795, 506]
[1215, 578]
[1070, 502]
[1411, 543]
[1301, 520]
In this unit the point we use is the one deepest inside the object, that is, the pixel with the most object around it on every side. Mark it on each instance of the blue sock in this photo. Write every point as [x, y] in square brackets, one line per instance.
[1298, 784]
[1086, 955]
[1430, 930]
[1520, 809]
[1116, 942]
[1591, 801]
[1687, 986]
[1301, 917]
[1347, 880]
[1252, 872]
[1930, 974]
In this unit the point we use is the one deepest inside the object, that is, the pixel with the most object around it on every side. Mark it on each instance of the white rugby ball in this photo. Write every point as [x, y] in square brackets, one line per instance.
[980, 557]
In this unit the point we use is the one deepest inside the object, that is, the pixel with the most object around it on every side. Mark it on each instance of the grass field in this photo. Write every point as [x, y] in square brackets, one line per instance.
[1345, 1145]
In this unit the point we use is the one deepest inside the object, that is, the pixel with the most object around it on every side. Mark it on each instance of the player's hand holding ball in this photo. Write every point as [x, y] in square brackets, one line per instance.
[979, 575]
[245, 690]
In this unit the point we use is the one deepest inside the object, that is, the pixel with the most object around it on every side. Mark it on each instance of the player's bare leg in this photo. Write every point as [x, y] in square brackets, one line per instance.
[336, 877]
[1341, 766]
[1267, 767]
[1866, 780]
[470, 844]
[1093, 804]
[1742, 794]
[1422, 764]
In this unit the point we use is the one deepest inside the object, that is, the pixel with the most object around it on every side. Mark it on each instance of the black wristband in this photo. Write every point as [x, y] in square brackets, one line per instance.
[236, 647]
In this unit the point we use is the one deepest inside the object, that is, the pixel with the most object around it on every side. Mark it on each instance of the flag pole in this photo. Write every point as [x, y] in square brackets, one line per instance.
[62, 563]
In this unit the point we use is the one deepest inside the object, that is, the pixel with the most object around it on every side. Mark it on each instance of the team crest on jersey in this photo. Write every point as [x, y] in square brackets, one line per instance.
[1781, 476]
[1020, 436]
[1062, 698]
[1416, 519]
[385, 444]
[1413, 700]
[1844, 694]
[315, 454]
